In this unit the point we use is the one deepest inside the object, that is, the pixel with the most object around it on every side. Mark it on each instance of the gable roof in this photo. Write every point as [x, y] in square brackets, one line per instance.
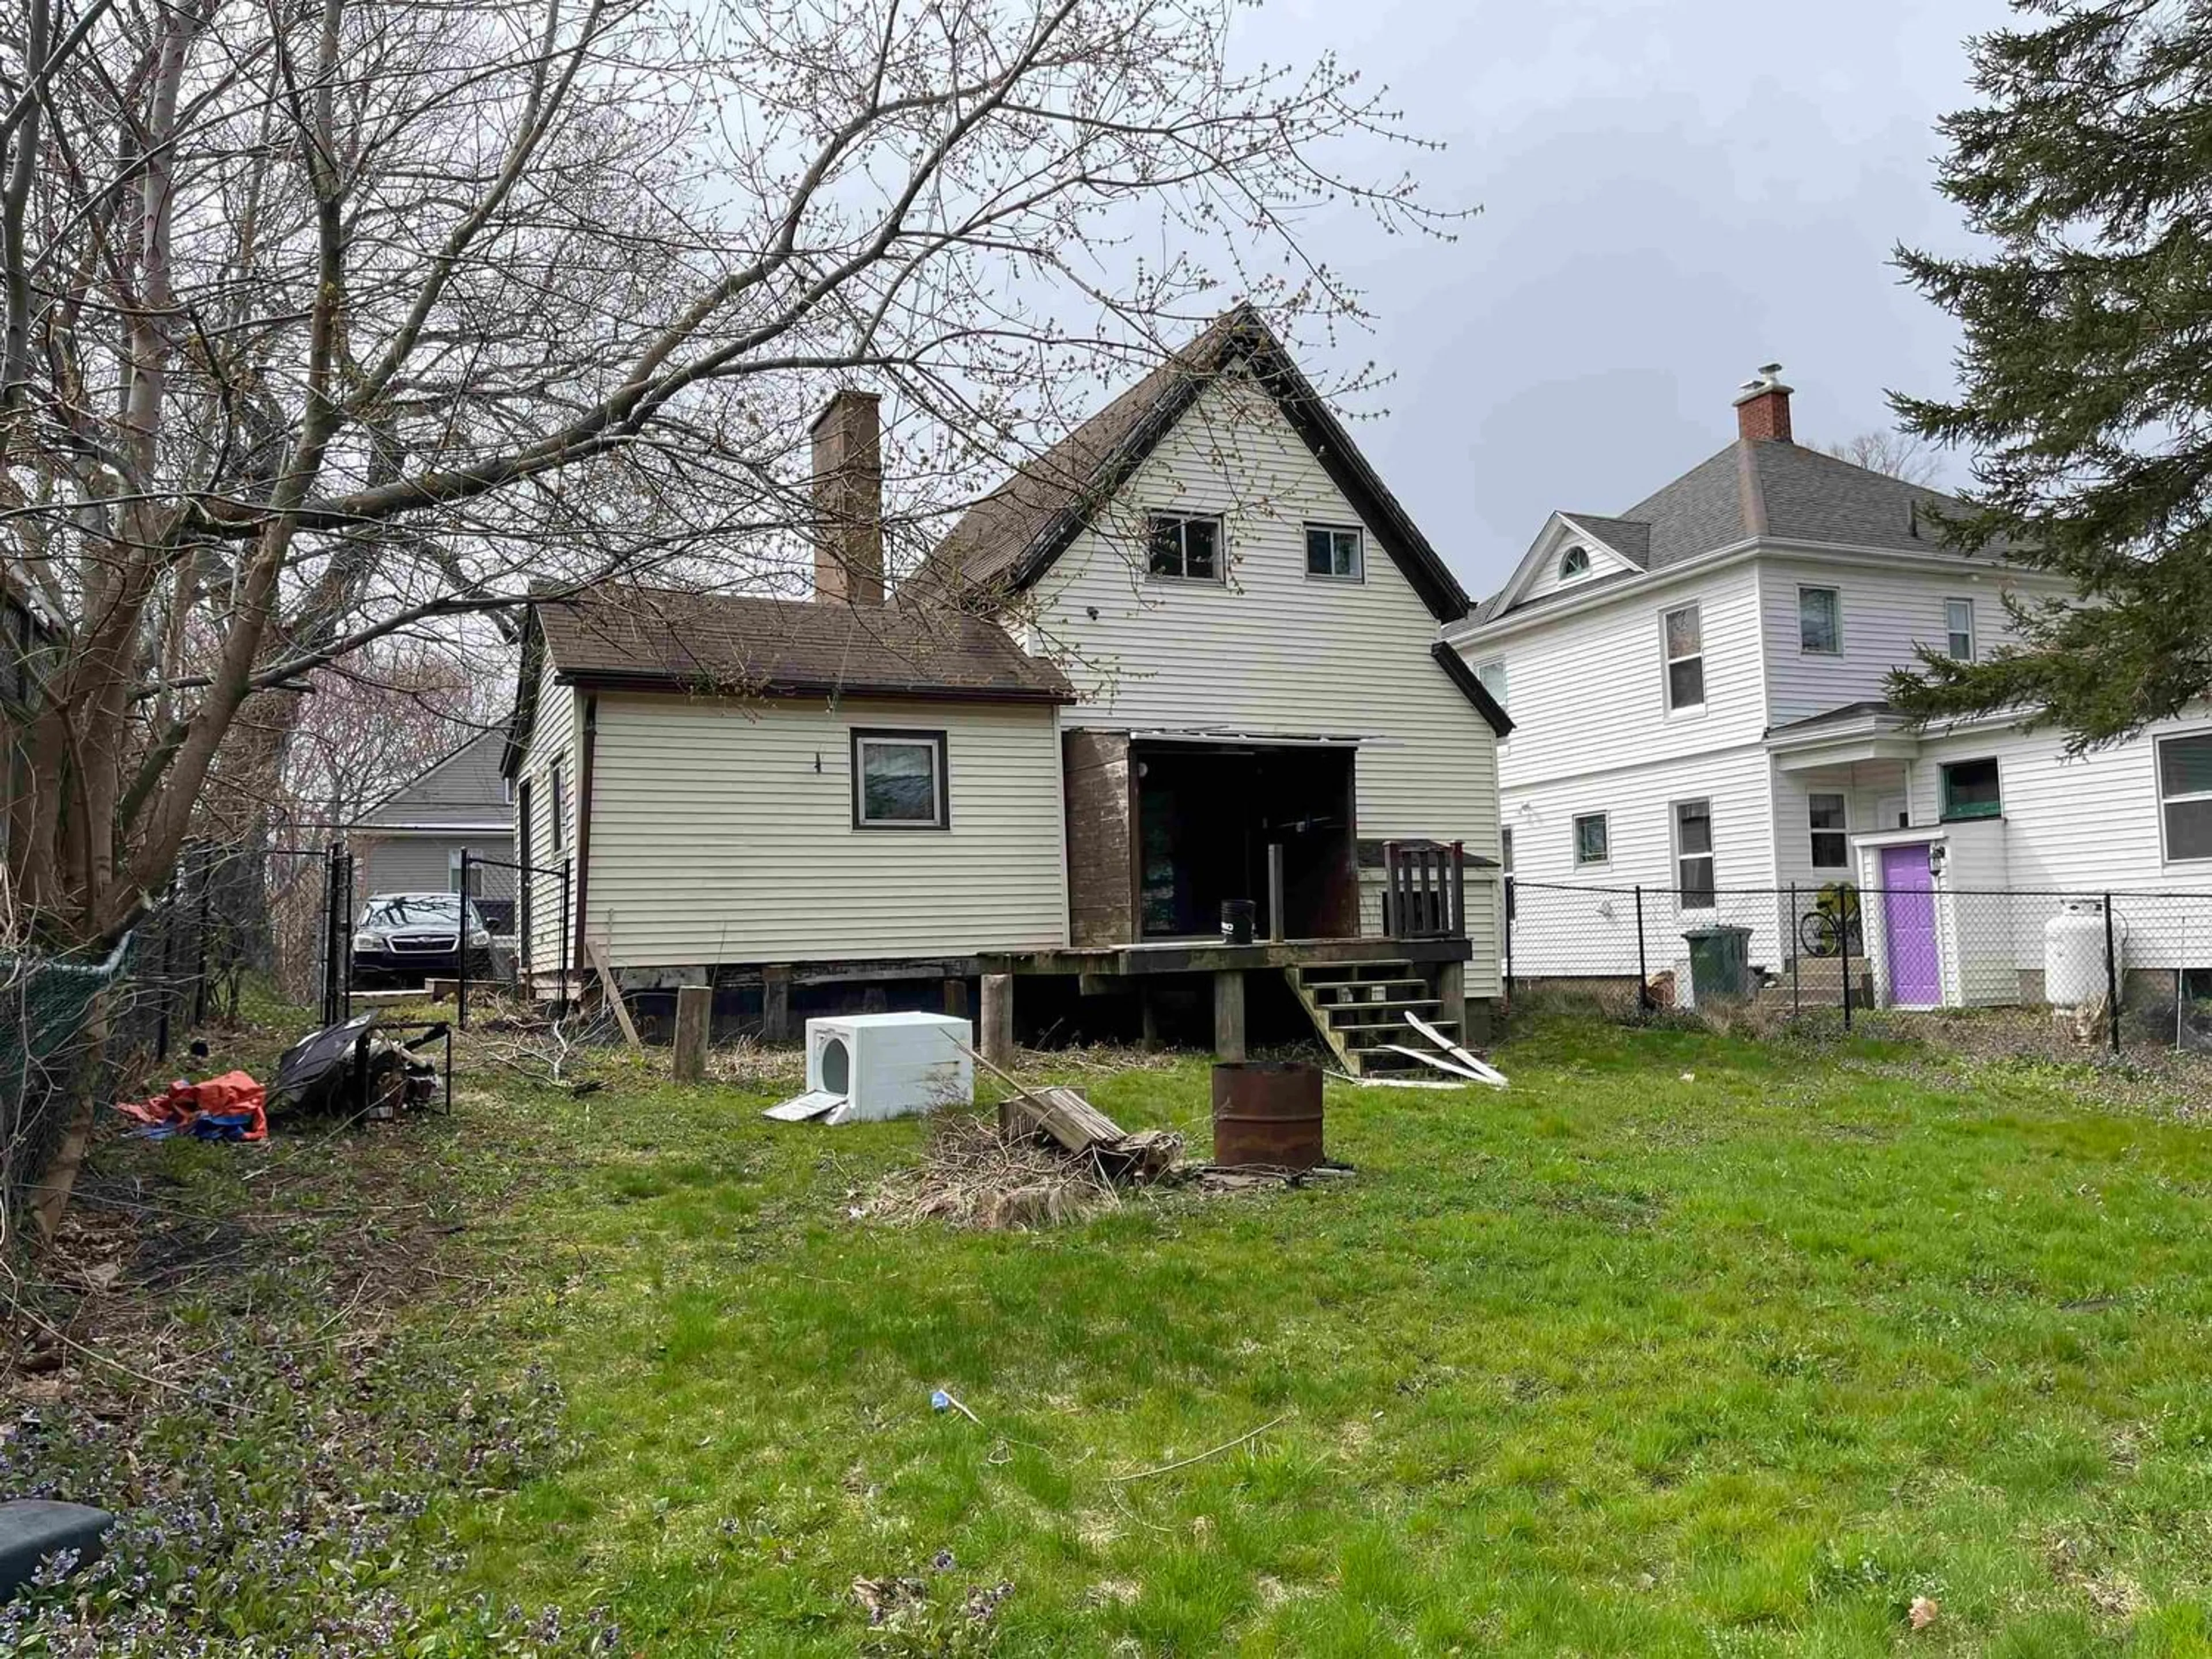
[1009, 538]
[650, 637]
[1767, 488]
[462, 789]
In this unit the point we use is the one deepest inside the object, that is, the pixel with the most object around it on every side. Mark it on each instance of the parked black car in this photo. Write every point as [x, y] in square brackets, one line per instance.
[403, 939]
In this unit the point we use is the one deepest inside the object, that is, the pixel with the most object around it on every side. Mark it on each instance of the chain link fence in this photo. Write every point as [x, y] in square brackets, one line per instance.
[2115, 970]
[520, 931]
[244, 941]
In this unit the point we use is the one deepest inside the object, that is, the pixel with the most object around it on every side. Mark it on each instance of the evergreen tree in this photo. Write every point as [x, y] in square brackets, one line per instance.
[2086, 388]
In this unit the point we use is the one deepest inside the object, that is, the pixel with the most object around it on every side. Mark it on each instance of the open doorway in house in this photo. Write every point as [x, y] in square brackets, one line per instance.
[1207, 812]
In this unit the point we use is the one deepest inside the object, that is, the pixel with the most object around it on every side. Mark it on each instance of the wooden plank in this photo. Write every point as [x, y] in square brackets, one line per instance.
[1062, 1114]
[1481, 1069]
[612, 993]
[1428, 1059]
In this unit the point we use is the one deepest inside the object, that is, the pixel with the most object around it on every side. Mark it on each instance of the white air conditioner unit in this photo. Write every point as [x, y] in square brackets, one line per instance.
[860, 1068]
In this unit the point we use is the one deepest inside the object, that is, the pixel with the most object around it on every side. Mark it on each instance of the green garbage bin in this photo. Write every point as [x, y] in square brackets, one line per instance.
[1720, 963]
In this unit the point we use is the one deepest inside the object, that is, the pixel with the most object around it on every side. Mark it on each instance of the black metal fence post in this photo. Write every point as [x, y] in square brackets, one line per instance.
[561, 963]
[1506, 899]
[200, 940]
[2111, 978]
[1844, 944]
[1797, 949]
[1643, 963]
[461, 957]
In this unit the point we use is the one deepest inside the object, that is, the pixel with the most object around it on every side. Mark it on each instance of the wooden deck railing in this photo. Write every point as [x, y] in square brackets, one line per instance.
[1425, 890]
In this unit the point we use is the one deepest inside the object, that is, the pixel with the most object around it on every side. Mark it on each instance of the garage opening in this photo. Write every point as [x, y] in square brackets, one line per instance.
[1206, 814]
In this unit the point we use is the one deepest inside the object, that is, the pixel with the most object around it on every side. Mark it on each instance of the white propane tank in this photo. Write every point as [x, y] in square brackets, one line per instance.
[2073, 954]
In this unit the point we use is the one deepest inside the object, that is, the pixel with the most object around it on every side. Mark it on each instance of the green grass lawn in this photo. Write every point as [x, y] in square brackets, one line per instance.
[1682, 1345]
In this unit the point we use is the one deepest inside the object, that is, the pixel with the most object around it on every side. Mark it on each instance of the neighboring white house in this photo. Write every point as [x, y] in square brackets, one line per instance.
[411, 842]
[1192, 651]
[1697, 688]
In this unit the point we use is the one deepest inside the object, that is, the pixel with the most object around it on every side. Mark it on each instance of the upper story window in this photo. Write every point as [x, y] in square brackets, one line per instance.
[1820, 622]
[1574, 562]
[898, 780]
[1684, 632]
[1958, 628]
[1334, 551]
[1593, 838]
[1183, 548]
[1971, 790]
[2185, 794]
[1491, 673]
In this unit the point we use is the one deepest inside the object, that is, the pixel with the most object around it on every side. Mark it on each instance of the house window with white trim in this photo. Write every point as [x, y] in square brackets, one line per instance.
[1828, 812]
[1958, 628]
[1334, 552]
[1693, 854]
[1593, 839]
[1183, 548]
[1684, 635]
[1820, 622]
[1573, 563]
[1491, 674]
[2185, 794]
[1971, 789]
[898, 780]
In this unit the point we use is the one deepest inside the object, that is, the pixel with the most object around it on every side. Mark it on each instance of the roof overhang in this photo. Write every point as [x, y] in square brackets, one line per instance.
[1869, 734]
[601, 679]
[1209, 736]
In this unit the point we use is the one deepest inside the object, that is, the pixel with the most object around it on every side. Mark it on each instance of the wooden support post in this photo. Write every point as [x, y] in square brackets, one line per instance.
[1451, 998]
[776, 1004]
[998, 1032]
[695, 1006]
[1229, 1014]
[956, 998]
[1275, 891]
[1148, 1016]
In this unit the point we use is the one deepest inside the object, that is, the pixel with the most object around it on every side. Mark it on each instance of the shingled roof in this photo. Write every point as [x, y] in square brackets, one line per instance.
[1011, 537]
[665, 638]
[1767, 488]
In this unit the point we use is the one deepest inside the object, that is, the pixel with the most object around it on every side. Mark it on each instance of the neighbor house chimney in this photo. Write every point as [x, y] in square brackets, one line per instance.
[1762, 408]
[849, 499]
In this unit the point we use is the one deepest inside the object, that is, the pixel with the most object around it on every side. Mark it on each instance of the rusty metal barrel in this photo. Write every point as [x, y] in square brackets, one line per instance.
[1267, 1112]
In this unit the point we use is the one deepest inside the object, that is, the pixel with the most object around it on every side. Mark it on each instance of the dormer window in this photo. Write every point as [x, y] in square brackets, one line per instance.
[1574, 562]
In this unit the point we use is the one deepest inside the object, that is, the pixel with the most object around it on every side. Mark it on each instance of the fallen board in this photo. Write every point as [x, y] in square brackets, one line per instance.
[1396, 1082]
[1437, 1060]
[1487, 1073]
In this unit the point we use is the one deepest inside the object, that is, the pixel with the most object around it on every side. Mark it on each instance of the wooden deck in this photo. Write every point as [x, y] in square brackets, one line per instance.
[1203, 956]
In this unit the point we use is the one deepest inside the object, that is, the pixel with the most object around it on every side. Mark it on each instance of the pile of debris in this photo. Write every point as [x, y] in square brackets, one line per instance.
[1050, 1157]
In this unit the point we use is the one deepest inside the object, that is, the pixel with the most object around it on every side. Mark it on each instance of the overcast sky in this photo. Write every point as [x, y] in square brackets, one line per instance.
[1672, 192]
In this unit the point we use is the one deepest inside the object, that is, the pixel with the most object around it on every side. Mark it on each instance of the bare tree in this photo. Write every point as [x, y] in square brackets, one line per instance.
[328, 321]
[1899, 454]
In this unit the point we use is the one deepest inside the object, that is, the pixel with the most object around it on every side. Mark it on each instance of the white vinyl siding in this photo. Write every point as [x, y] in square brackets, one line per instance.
[722, 832]
[1884, 615]
[553, 739]
[1271, 649]
[1552, 560]
[1563, 931]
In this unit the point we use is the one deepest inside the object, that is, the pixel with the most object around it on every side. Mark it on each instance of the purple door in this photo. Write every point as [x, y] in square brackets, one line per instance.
[1908, 926]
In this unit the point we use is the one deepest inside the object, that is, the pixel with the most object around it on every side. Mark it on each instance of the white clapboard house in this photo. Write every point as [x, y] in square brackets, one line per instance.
[1188, 658]
[1696, 685]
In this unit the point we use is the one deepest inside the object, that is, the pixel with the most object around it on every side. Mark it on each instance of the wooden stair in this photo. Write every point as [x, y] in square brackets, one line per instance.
[1820, 983]
[1360, 1007]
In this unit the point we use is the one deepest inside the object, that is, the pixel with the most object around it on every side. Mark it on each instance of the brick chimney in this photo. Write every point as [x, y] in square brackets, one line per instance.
[1762, 408]
[849, 498]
